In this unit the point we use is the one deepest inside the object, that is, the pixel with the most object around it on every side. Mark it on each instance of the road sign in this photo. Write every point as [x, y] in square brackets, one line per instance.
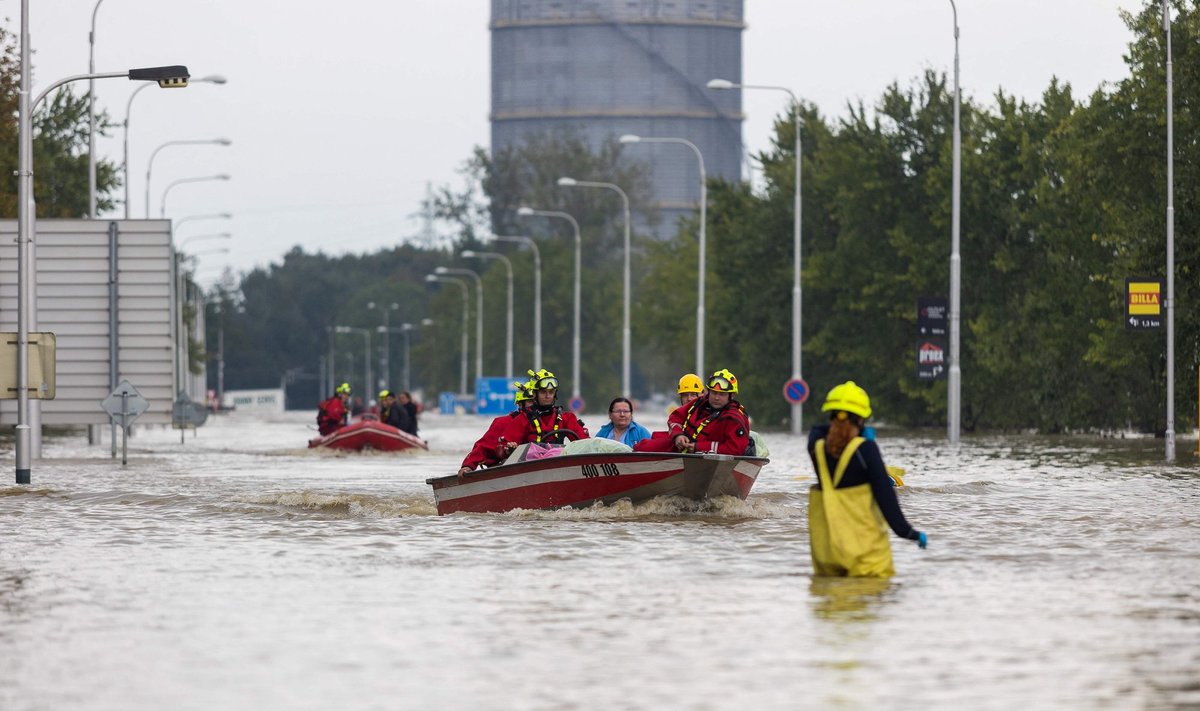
[187, 413]
[931, 358]
[931, 315]
[576, 404]
[493, 396]
[124, 404]
[795, 391]
[1143, 303]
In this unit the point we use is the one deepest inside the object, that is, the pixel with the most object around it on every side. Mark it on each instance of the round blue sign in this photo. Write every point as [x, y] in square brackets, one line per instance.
[795, 391]
[576, 404]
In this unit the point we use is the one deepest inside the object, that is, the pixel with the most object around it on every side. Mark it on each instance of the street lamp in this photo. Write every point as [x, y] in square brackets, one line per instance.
[797, 301]
[630, 138]
[508, 348]
[443, 271]
[466, 309]
[530, 212]
[626, 336]
[366, 354]
[176, 224]
[212, 79]
[29, 419]
[200, 238]
[181, 181]
[1170, 304]
[537, 293]
[954, 391]
[385, 362]
[92, 115]
[406, 329]
[190, 142]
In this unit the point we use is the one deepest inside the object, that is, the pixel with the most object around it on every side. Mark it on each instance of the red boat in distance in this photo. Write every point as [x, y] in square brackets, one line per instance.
[369, 434]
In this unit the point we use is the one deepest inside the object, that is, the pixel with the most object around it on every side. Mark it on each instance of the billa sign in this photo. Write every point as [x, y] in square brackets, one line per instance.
[931, 358]
[1143, 303]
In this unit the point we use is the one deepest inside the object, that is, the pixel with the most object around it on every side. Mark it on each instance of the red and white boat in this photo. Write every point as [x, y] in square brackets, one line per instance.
[580, 480]
[369, 434]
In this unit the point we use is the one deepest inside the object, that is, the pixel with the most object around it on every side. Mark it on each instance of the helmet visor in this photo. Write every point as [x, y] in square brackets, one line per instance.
[550, 383]
[721, 384]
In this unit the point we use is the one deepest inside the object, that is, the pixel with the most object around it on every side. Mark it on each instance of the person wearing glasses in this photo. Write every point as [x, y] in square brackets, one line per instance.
[545, 422]
[621, 426]
[714, 423]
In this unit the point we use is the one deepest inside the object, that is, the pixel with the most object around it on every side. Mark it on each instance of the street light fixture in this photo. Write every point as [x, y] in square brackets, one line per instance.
[385, 361]
[29, 419]
[508, 347]
[797, 297]
[432, 278]
[629, 139]
[1170, 302]
[211, 79]
[537, 292]
[190, 142]
[626, 334]
[530, 212]
[176, 224]
[443, 271]
[366, 354]
[181, 181]
[199, 238]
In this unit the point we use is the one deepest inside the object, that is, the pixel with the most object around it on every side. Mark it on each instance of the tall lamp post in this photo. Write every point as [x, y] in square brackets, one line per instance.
[797, 294]
[530, 212]
[213, 79]
[92, 115]
[629, 139]
[954, 391]
[537, 293]
[406, 329]
[28, 418]
[182, 181]
[508, 344]
[189, 142]
[176, 224]
[201, 238]
[626, 334]
[385, 366]
[443, 271]
[366, 354]
[465, 327]
[1170, 302]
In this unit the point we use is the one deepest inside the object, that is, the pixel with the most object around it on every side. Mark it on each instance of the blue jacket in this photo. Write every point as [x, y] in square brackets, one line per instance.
[634, 434]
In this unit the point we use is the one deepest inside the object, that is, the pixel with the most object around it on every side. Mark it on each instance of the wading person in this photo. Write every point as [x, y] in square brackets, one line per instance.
[848, 506]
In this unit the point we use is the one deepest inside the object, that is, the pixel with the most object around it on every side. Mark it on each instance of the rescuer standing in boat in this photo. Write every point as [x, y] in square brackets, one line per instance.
[486, 452]
[332, 413]
[714, 423]
[848, 507]
[545, 423]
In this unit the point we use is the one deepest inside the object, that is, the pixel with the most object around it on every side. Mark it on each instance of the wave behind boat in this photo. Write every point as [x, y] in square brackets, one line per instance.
[666, 508]
[344, 505]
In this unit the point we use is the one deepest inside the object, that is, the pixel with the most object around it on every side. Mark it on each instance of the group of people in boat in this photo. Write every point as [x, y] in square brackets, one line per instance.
[395, 409]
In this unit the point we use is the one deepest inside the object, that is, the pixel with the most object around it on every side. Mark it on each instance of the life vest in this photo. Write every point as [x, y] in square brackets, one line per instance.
[848, 535]
[539, 436]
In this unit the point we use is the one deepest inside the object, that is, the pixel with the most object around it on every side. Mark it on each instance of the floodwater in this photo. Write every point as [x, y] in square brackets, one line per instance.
[239, 570]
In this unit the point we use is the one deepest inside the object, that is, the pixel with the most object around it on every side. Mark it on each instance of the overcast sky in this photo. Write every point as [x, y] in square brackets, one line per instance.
[342, 112]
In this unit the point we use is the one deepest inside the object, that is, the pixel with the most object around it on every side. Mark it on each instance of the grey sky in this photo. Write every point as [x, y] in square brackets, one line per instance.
[341, 113]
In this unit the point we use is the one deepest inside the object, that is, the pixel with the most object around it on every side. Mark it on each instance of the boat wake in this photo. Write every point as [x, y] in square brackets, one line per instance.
[342, 505]
[720, 509]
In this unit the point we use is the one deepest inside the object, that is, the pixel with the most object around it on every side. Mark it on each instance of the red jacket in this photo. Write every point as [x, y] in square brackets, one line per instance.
[724, 431]
[486, 451]
[540, 428]
[331, 415]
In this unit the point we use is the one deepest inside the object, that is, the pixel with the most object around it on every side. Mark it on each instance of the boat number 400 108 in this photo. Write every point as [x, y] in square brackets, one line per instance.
[605, 469]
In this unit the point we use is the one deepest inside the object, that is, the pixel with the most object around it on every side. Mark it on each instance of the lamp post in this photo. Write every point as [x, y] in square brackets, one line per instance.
[213, 79]
[181, 181]
[366, 354]
[630, 138]
[405, 329]
[954, 391]
[176, 224]
[466, 310]
[385, 366]
[29, 418]
[530, 212]
[478, 313]
[1170, 301]
[537, 293]
[508, 345]
[196, 142]
[797, 294]
[201, 238]
[626, 336]
[92, 115]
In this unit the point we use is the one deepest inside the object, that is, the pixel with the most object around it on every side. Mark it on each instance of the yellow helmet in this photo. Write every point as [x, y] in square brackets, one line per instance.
[524, 392]
[343, 388]
[848, 397]
[542, 380]
[690, 383]
[723, 381]
[384, 393]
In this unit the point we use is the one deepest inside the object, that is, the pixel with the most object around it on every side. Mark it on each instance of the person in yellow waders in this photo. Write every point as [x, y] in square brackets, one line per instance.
[850, 507]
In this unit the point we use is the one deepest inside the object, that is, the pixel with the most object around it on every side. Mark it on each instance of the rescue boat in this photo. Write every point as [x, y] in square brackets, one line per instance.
[369, 434]
[581, 480]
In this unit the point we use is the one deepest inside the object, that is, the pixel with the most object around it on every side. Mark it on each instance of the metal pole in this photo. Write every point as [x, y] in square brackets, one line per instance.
[114, 349]
[24, 240]
[150, 163]
[478, 314]
[407, 355]
[466, 320]
[367, 363]
[954, 394]
[537, 296]
[575, 342]
[125, 168]
[1170, 303]
[92, 116]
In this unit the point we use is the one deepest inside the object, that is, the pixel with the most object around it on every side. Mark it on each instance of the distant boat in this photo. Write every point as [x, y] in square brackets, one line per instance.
[369, 434]
[580, 480]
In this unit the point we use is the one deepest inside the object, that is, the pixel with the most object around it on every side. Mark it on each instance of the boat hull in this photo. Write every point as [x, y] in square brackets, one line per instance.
[369, 434]
[580, 480]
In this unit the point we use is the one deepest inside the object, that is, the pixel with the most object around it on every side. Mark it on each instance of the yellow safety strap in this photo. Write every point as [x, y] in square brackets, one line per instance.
[843, 462]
